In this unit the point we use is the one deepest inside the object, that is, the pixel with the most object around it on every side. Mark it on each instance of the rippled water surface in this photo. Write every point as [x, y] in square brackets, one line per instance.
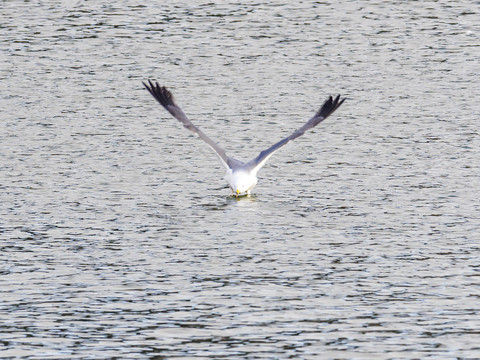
[119, 237]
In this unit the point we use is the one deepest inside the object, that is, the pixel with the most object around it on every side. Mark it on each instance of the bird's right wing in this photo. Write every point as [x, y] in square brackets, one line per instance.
[165, 98]
[328, 107]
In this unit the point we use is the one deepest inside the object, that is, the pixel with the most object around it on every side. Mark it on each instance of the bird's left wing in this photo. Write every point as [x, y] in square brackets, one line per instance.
[328, 107]
[165, 98]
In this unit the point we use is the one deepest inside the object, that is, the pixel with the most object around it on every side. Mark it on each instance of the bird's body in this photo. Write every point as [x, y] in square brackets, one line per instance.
[241, 177]
[240, 180]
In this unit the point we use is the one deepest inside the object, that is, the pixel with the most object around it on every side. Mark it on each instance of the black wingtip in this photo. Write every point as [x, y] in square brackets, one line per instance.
[329, 106]
[160, 93]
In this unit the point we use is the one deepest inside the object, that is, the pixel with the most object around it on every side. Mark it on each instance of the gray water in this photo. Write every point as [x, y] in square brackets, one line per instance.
[119, 237]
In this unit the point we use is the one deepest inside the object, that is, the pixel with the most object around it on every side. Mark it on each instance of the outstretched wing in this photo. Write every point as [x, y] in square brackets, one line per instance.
[165, 98]
[328, 107]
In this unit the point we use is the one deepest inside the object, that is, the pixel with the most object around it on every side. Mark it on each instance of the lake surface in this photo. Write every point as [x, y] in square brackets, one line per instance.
[119, 237]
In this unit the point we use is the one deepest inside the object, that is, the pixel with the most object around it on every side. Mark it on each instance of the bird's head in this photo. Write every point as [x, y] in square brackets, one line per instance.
[242, 182]
[241, 189]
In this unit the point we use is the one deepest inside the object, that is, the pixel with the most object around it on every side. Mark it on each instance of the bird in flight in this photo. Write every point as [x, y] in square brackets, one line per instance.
[241, 177]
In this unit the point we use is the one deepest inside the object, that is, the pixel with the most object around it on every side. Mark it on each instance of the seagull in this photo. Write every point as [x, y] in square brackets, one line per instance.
[240, 176]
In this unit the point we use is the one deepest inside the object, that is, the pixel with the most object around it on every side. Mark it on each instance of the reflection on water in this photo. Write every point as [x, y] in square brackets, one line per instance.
[120, 239]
